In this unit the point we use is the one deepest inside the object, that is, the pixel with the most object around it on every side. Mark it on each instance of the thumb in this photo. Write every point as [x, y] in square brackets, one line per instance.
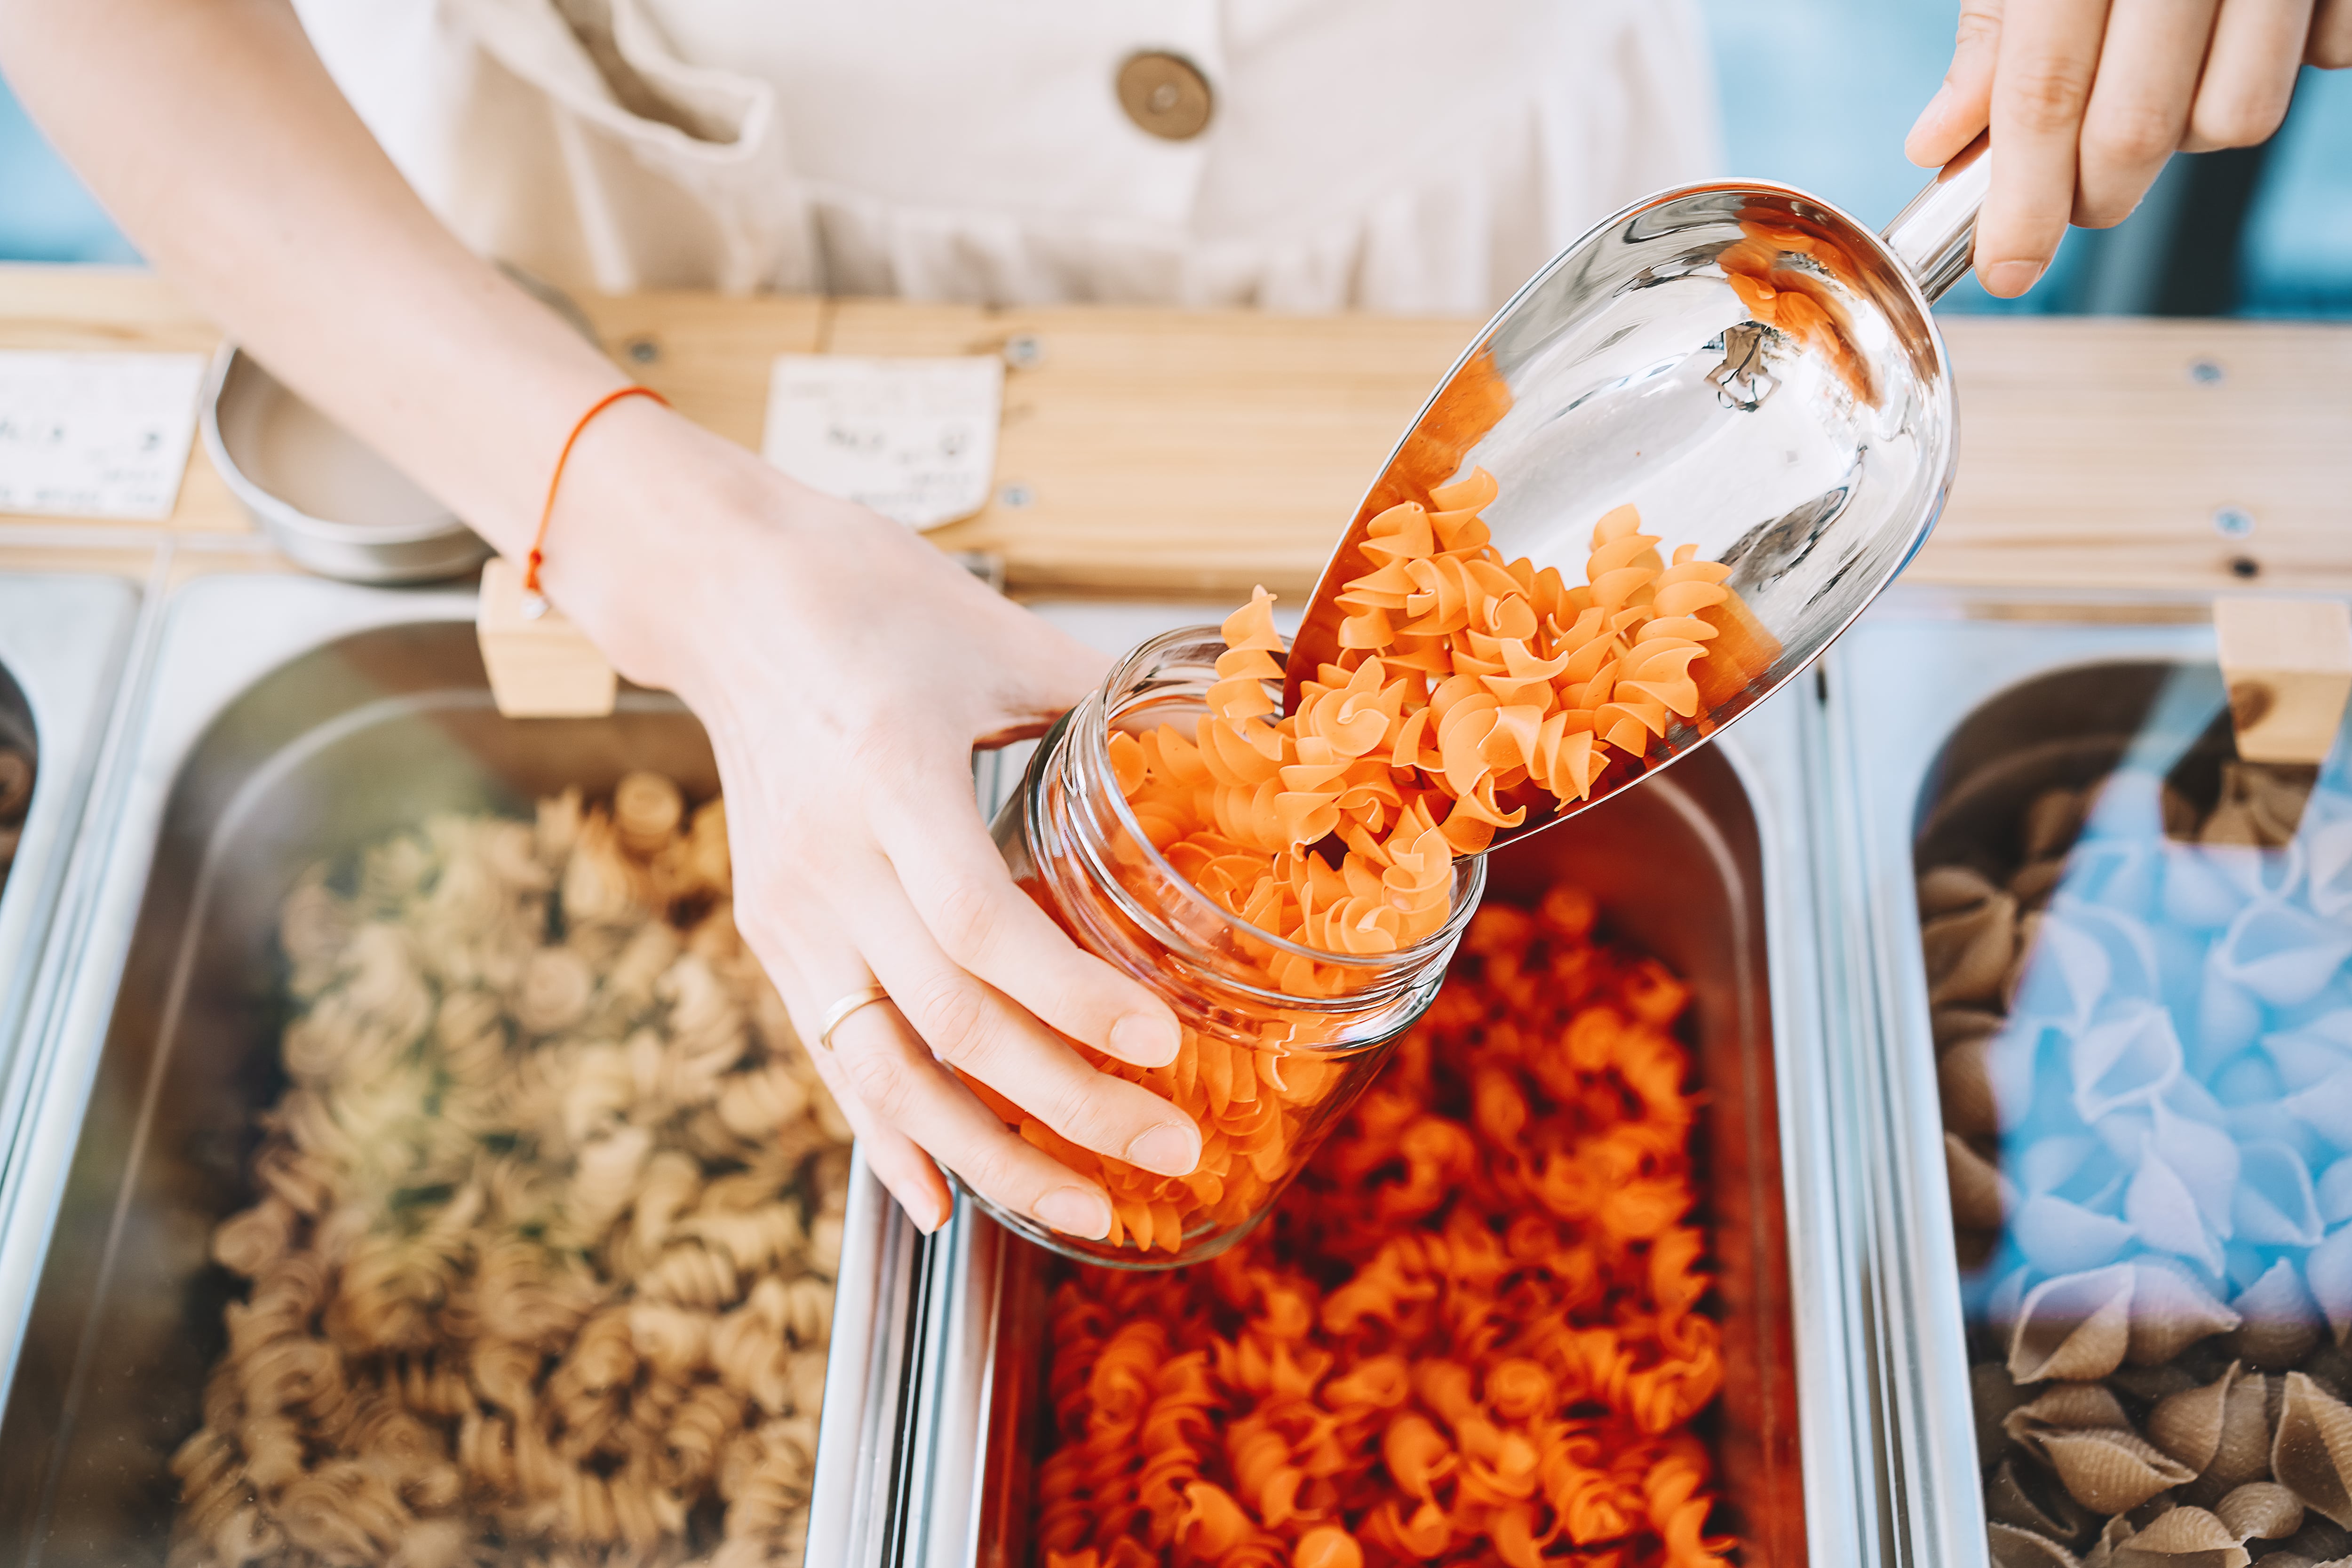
[1963, 105]
[1041, 673]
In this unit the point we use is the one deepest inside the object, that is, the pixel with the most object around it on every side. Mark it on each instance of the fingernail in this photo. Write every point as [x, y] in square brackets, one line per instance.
[928, 1210]
[1146, 1039]
[2008, 279]
[1076, 1211]
[1171, 1150]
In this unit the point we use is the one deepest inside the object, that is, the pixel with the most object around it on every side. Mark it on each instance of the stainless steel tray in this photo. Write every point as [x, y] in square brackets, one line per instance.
[1737, 917]
[1922, 692]
[62, 643]
[283, 719]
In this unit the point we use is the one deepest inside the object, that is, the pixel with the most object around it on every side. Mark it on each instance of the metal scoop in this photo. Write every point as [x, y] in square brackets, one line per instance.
[1755, 371]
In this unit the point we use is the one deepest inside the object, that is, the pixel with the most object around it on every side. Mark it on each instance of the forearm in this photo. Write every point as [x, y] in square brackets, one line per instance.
[842, 666]
[217, 141]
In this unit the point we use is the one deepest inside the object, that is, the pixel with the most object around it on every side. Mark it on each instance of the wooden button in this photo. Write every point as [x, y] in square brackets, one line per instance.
[1165, 94]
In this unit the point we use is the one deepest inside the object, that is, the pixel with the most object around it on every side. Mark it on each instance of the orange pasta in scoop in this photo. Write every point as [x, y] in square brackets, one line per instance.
[1473, 1332]
[1469, 691]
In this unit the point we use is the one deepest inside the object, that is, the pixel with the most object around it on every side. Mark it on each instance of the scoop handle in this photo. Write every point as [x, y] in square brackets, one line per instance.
[1935, 235]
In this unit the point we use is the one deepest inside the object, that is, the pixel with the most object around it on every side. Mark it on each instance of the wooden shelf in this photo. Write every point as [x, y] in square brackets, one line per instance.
[1180, 452]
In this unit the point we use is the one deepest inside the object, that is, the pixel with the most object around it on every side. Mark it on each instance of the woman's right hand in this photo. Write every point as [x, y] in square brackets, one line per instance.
[2086, 102]
[846, 668]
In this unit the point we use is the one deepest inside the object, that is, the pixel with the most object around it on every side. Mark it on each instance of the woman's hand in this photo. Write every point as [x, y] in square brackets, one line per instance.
[846, 668]
[2086, 99]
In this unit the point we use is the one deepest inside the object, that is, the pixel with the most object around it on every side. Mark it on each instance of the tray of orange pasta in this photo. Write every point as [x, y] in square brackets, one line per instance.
[1537, 1295]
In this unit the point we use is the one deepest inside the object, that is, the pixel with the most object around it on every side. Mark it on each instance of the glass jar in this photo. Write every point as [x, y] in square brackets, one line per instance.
[1279, 1040]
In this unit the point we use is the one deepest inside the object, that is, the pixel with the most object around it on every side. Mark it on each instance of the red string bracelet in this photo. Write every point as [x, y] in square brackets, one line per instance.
[535, 600]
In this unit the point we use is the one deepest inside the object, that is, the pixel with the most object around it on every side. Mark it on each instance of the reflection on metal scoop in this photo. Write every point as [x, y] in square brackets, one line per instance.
[1741, 381]
[1755, 371]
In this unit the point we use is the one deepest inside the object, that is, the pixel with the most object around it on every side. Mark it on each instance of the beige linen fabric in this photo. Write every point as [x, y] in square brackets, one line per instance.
[1397, 156]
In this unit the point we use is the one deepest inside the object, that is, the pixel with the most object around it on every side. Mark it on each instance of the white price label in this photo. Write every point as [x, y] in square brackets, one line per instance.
[96, 434]
[913, 438]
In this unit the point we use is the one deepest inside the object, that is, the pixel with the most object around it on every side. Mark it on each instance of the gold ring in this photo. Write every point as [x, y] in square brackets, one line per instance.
[839, 1012]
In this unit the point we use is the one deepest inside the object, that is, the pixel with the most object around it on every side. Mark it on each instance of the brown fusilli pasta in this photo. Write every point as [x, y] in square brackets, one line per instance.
[541, 1252]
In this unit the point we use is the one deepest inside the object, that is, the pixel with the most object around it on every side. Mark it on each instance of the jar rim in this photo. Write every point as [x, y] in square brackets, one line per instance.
[1127, 675]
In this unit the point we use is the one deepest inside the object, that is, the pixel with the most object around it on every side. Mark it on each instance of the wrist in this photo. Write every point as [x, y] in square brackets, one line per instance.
[654, 521]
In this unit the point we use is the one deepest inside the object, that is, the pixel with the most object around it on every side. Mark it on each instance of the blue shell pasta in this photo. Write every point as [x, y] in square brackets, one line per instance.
[2144, 1028]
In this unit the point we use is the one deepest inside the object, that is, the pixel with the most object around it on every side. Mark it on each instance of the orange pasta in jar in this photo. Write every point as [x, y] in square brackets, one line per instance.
[1293, 884]
[1277, 1037]
[1474, 1333]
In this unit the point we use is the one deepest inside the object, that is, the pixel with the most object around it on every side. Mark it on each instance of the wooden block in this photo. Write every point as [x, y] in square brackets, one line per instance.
[539, 668]
[2288, 663]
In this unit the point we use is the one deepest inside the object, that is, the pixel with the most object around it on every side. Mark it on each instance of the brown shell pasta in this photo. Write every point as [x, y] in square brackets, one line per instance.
[1970, 951]
[2190, 1426]
[2260, 1511]
[2051, 823]
[2022, 1495]
[2110, 1471]
[2013, 1546]
[2281, 1321]
[2075, 1326]
[2171, 1311]
[2183, 1538]
[2311, 1454]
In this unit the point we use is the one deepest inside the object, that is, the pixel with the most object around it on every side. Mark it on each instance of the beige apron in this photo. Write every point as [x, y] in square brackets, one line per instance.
[1403, 155]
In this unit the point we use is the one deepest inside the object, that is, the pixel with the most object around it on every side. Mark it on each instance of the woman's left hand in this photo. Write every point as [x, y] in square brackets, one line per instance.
[2086, 99]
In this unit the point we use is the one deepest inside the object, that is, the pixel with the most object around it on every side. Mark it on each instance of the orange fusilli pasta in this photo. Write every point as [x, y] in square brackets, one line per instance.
[1474, 1333]
[1467, 693]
